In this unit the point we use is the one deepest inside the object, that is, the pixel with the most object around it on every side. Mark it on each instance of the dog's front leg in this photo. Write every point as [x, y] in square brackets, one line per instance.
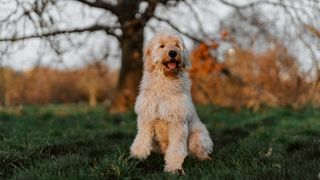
[177, 148]
[142, 144]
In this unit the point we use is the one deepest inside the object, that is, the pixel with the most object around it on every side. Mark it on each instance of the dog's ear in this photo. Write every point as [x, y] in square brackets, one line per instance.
[147, 63]
[146, 53]
[186, 61]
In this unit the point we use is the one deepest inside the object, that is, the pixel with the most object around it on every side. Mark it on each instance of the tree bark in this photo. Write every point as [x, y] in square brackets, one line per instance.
[7, 99]
[92, 96]
[131, 68]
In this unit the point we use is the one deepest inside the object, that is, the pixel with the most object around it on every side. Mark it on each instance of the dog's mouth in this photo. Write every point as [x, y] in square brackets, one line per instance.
[172, 64]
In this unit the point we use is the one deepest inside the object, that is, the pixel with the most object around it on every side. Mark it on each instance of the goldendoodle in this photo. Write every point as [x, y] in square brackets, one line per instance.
[167, 119]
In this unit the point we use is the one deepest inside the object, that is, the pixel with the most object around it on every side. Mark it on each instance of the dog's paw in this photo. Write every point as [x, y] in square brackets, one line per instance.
[178, 171]
[139, 152]
[206, 158]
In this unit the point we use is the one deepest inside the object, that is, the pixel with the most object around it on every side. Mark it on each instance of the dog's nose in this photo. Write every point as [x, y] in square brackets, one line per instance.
[172, 53]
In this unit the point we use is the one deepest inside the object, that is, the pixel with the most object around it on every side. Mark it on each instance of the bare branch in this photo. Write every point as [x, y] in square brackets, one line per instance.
[250, 5]
[148, 13]
[152, 4]
[108, 30]
[313, 30]
[101, 4]
[197, 18]
[178, 29]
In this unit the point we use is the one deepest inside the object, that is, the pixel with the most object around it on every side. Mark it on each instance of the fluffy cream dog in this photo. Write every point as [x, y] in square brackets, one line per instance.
[167, 120]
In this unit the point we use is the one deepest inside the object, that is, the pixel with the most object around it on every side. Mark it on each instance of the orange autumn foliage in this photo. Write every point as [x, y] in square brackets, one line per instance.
[247, 79]
[202, 62]
[241, 79]
[93, 83]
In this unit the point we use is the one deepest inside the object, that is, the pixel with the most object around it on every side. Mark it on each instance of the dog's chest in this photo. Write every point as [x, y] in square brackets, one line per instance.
[163, 98]
[161, 105]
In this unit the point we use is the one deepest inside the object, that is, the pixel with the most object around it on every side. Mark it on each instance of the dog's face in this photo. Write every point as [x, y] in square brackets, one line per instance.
[166, 53]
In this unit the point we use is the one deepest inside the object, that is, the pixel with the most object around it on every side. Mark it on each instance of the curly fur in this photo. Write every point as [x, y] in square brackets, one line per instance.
[167, 120]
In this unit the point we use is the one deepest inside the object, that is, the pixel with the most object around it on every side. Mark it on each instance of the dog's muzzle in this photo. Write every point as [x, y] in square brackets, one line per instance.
[172, 64]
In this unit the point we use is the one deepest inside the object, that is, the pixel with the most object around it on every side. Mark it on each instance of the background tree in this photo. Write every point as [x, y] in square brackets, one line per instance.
[131, 18]
[9, 83]
[94, 79]
[125, 21]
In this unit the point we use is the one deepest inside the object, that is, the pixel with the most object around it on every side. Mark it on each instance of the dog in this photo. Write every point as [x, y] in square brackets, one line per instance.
[166, 117]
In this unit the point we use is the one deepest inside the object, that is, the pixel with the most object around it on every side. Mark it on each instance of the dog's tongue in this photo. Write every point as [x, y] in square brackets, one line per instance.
[172, 65]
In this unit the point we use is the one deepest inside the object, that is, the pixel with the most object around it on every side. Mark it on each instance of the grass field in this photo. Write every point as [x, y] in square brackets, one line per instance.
[78, 142]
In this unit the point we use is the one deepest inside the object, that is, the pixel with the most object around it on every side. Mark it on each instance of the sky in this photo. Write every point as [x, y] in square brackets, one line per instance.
[76, 15]
[33, 52]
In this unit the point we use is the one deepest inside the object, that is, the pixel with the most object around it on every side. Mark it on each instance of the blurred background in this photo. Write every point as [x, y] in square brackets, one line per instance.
[244, 53]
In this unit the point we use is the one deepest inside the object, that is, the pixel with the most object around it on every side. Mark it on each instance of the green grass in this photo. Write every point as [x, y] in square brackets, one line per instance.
[78, 142]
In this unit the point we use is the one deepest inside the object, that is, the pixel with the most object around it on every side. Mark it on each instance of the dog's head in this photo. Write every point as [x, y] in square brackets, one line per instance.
[166, 53]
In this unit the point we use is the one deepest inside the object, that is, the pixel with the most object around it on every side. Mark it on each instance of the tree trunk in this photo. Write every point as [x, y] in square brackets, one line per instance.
[131, 69]
[7, 98]
[92, 97]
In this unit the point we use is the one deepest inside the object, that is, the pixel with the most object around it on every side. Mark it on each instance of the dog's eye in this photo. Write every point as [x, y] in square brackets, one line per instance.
[161, 46]
[178, 46]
